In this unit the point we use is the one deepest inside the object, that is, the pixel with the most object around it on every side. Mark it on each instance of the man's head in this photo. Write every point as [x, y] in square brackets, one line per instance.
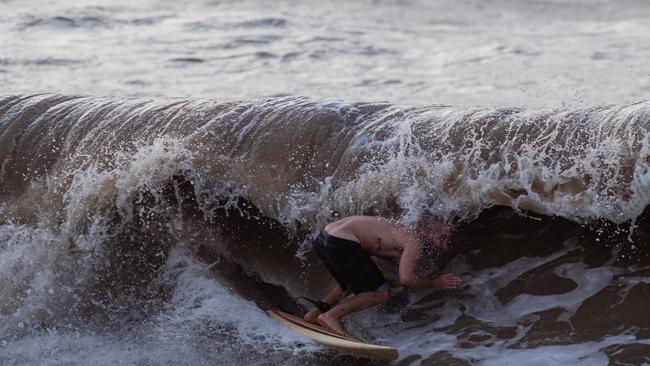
[434, 235]
[434, 238]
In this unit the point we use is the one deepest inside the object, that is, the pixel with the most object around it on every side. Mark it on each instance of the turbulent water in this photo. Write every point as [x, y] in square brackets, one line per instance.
[147, 230]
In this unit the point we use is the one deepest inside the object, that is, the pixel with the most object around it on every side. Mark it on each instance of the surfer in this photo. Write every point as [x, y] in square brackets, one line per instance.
[355, 248]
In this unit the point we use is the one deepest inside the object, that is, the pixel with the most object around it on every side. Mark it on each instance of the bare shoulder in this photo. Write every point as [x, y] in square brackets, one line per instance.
[400, 227]
[395, 227]
[401, 232]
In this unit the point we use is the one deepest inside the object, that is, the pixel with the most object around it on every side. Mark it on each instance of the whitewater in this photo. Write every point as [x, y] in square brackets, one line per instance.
[164, 168]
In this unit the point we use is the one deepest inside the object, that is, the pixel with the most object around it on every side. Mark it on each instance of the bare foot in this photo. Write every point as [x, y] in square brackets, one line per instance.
[333, 325]
[312, 316]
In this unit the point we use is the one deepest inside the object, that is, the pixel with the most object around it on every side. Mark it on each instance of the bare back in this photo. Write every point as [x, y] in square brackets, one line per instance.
[377, 235]
[387, 240]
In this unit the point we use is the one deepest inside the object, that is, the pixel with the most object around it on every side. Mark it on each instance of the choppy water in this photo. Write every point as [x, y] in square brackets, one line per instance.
[536, 53]
[154, 231]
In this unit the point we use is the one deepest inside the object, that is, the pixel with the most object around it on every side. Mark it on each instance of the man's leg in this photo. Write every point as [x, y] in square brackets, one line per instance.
[332, 319]
[331, 298]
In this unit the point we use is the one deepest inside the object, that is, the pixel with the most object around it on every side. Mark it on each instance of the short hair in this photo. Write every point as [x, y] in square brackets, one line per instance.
[431, 262]
[429, 232]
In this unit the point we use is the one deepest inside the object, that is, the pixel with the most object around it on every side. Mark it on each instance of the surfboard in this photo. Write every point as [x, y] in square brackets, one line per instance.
[332, 340]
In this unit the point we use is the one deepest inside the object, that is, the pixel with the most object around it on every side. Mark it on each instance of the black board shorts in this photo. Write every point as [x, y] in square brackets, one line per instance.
[349, 264]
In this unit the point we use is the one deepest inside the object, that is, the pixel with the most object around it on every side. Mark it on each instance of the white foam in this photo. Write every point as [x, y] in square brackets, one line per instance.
[204, 323]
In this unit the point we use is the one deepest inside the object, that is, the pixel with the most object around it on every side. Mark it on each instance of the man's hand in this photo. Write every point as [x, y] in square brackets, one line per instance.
[447, 281]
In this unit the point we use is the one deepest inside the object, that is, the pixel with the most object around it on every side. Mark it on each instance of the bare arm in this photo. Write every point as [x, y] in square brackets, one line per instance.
[407, 265]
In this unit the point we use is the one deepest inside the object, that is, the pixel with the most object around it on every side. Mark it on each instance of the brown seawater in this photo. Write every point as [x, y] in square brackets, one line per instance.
[140, 230]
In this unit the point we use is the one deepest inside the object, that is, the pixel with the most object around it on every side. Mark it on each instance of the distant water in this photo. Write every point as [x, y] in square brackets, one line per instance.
[535, 53]
[141, 229]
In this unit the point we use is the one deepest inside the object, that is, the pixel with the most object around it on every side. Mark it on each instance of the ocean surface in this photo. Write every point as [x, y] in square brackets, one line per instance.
[164, 167]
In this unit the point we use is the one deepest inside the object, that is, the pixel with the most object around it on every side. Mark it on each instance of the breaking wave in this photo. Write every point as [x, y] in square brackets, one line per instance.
[163, 217]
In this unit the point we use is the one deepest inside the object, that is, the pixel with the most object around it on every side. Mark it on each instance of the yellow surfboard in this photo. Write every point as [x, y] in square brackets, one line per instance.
[332, 340]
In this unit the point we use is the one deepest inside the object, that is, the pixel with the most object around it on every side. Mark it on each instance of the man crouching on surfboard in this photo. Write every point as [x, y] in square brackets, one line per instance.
[353, 247]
